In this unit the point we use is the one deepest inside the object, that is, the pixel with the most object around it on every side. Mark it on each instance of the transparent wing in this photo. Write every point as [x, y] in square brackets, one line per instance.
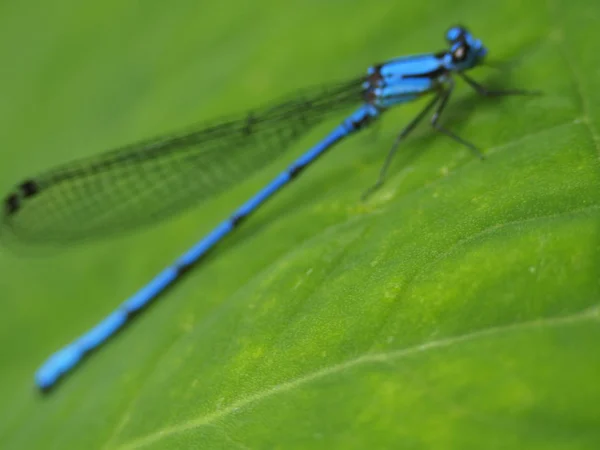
[143, 183]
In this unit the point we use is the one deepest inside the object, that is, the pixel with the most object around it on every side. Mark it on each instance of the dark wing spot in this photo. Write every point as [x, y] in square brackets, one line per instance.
[12, 204]
[29, 188]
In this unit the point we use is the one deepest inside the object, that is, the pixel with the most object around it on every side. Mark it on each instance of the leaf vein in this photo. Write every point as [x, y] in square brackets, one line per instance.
[590, 314]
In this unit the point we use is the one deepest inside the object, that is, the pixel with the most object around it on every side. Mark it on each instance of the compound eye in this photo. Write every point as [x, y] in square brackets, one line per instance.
[456, 34]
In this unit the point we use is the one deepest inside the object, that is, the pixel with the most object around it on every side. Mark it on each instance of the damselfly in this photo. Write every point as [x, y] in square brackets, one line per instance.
[138, 184]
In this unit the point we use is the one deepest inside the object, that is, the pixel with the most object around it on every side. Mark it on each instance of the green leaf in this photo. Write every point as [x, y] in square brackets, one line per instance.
[457, 308]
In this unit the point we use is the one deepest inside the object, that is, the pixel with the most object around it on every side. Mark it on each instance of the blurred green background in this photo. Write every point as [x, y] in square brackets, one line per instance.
[457, 308]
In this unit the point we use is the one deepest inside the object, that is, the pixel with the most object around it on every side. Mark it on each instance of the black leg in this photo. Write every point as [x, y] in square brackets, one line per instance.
[482, 90]
[407, 129]
[445, 96]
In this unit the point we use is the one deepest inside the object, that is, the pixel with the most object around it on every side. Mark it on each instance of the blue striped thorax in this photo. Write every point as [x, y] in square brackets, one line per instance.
[406, 78]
